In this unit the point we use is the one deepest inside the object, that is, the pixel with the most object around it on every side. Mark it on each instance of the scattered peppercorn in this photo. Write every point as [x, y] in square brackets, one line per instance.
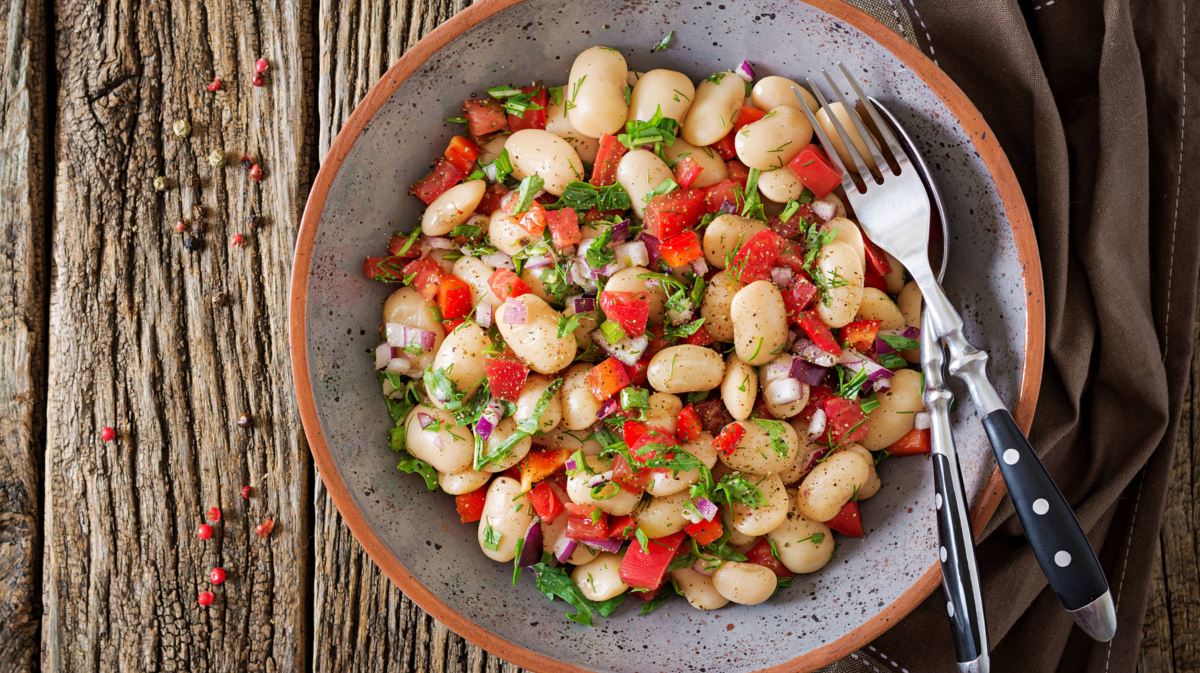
[181, 226]
[246, 491]
[214, 85]
[220, 299]
[216, 158]
[216, 576]
[108, 434]
[261, 65]
[264, 529]
[239, 240]
[256, 173]
[160, 183]
[182, 128]
[205, 598]
[214, 513]
[244, 421]
[258, 80]
[246, 162]
[191, 243]
[204, 531]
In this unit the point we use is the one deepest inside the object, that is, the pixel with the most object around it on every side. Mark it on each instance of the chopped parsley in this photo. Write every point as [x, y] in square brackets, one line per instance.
[634, 398]
[516, 102]
[574, 94]
[734, 488]
[455, 120]
[716, 77]
[752, 203]
[442, 389]
[467, 231]
[499, 170]
[582, 197]
[776, 433]
[599, 254]
[665, 187]
[658, 130]
[642, 540]
[869, 404]
[850, 386]
[892, 361]
[554, 582]
[687, 329]
[517, 561]
[815, 538]
[567, 325]
[530, 186]
[900, 343]
[612, 331]
[789, 209]
[663, 43]
[491, 538]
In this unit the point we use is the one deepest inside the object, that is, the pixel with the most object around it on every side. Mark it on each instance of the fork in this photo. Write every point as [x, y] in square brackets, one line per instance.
[893, 208]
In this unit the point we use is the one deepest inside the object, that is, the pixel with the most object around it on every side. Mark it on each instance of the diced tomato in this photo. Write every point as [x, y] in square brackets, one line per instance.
[484, 116]
[607, 379]
[762, 555]
[462, 152]
[645, 568]
[914, 443]
[688, 426]
[545, 502]
[700, 337]
[816, 171]
[667, 215]
[622, 527]
[657, 342]
[747, 115]
[876, 259]
[716, 196]
[443, 176]
[797, 297]
[873, 279]
[564, 227]
[589, 527]
[449, 326]
[385, 269]
[713, 415]
[795, 224]
[492, 198]
[725, 147]
[819, 332]
[680, 249]
[737, 171]
[648, 441]
[844, 421]
[504, 284]
[505, 378]
[632, 432]
[728, 439]
[426, 275]
[686, 171]
[706, 532]
[816, 400]
[470, 505]
[534, 220]
[637, 373]
[848, 520]
[629, 478]
[398, 246]
[608, 155]
[454, 298]
[860, 334]
[540, 463]
[531, 118]
[757, 255]
[630, 310]
[574, 509]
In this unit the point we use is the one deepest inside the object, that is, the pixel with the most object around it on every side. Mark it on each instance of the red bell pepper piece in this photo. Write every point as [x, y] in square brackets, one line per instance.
[762, 555]
[753, 261]
[819, 332]
[399, 246]
[700, 337]
[737, 171]
[607, 379]
[816, 400]
[622, 527]
[848, 520]
[493, 197]
[747, 115]
[668, 215]
[533, 118]
[505, 378]
[454, 298]
[534, 220]
[844, 421]
[470, 505]
[645, 568]
[687, 170]
[680, 249]
[860, 334]
[688, 426]
[462, 152]
[539, 464]
[876, 259]
[608, 155]
[484, 116]
[630, 310]
[564, 227]
[643, 438]
[728, 439]
[504, 284]
[629, 478]
[873, 279]
[443, 176]
[815, 170]
[637, 373]
[705, 532]
[545, 502]
[726, 147]
[716, 196]
[590, 527]
[914, 443]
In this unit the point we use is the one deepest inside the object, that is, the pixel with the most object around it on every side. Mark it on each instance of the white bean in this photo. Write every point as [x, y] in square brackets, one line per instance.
[895, 277]
[664, 483]
[685, 369]
[873, 484]
[842, 272]
[596, 91]
[539, 152]
[766, 518]
[535, 341]
[780, 185]
[714, 109]
[580, 406]
[804, 546]
[452, 208]
[758, 453]
[830, 485]
[600, 578]
[714, 308]
[662, 516]
[724, 234]
[610, 498]
[407, 307]
[759, 322]
[536, 386]
[506, 233]
[461, 357]
[630, 280]
[506, 516]
[663, 411]
[475, 273]
[698, 589]
[712, 167]
[843, 116]
[559, 124]
[739, 388]
[665, 90]
[876, 305]
[909, 303]
[639, 172]
[774, 140]
[898, 406]
[442, 443]
[772, 91]
[458, 483]
[744, 583]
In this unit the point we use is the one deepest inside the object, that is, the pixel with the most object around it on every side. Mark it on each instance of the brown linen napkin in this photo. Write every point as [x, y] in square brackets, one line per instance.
[1090, 101]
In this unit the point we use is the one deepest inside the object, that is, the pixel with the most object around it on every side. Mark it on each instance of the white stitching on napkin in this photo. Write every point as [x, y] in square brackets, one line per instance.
[932, 51]
[1125, 564]
[1178, 175]
[888, 659]
[896, 16]
[1038, 7]
[868, 661]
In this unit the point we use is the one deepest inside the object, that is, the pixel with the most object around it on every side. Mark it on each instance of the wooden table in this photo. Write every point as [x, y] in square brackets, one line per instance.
[107, 320]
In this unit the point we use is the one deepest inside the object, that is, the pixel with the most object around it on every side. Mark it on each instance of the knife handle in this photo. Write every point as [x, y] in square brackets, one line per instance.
[960, 577]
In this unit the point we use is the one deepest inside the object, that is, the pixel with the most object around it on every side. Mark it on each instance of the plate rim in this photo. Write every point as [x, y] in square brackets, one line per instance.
[1015, 210]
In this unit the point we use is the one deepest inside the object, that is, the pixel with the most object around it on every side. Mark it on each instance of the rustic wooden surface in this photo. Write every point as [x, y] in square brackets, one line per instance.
[105, 319]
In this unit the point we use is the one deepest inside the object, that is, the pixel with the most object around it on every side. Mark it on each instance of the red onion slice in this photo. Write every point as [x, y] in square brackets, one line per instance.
[810, 352]
[700, 267]
[806, 372]
[424, 419]
[745, 70]
[921, 420]
[383, 355]
[610, 407]
[399, 366]
[707, 508]
[628, 350]
[538, 262]
[483, 314]
[653, 246]
[782, 276]
[633, 254]
[783, 391]
[704, 566]
[816, 427]
[531, 551]
[400, 335]
[824, 210]
[564, 547]
[582, 303]
[600, 479]
[607, 544]
[515, 312]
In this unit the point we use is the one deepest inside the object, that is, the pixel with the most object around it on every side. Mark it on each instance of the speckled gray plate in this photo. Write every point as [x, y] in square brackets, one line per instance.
[360, 196]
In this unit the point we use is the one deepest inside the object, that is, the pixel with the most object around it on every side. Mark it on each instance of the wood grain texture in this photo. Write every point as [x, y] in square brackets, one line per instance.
[361, 622]
[137, 342]
[1171, 632]
[22, 326]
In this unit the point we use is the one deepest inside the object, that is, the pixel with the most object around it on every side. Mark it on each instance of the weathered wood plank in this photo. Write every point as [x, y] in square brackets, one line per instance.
[361, 621]
[137, 341]
[22, 326]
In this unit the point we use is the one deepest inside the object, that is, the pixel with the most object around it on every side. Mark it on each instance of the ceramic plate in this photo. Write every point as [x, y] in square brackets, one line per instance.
[360, 196]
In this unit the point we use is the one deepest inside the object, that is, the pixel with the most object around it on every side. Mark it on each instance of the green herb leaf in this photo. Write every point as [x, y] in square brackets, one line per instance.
[582, 197]
[416, 466]
[598, 253]
[665, 187]
[716, 77]
[634, 398]
[455, 120]
[612, 331]
[737, 489]
[753, 204]
[442, 388]
[663, 43]
[530, 186]
[533, 423]
[776, 432]
[900, 343]
[658, 130]
[517, 561]
[687, 329]
[554, 582]
[789, 209]
[491, 538]
[850, 386]
[567, 325]
[642, 540]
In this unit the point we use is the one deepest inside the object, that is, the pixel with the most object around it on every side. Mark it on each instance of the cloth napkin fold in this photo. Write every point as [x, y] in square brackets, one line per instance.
[1090, 100]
